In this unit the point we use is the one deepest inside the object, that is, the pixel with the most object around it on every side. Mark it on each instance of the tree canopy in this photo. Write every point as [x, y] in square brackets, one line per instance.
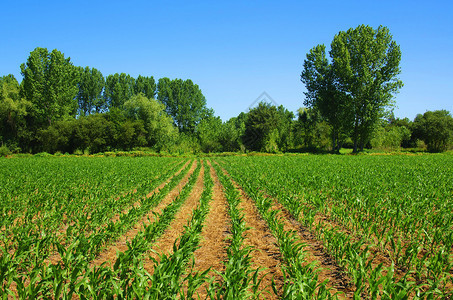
[50, 83]
[435, 128]
[352, 91]
[184, 102]
[61, 107]
[91, 85]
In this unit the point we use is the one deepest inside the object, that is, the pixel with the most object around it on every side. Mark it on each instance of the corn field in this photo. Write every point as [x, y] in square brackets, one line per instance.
[233, 227]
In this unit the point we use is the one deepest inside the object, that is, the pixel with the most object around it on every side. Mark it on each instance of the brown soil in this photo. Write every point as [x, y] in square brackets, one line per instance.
[109, 254]
[55, 257]
[150, 194]
[164, 244]
[212, 252]
[315, 252]
[266, 254]
[377, 254]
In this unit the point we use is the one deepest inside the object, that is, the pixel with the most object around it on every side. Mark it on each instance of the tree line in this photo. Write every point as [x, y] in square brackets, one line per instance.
[59, 107]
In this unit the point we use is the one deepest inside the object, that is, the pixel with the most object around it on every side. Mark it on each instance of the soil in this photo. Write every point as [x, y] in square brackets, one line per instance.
[164, 244]
[212, 252]
[266, 254]
[315, 252]
[109, 254]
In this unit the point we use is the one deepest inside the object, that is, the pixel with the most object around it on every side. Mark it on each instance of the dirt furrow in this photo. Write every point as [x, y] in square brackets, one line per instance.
[150, 194]
[266, 254]
[212, 252]
[109, 254]
[315, 252]
[164, 244]
[326, 266]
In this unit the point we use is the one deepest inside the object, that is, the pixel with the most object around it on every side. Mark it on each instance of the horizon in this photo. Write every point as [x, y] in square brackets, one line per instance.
[234, 51]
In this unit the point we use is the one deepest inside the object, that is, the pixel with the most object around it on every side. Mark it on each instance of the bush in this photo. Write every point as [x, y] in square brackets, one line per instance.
[4, 151]
[43, 154]
[78, 152]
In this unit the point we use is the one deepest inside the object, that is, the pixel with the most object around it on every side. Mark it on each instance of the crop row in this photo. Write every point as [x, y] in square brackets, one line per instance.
[331, 195]
[25, 268]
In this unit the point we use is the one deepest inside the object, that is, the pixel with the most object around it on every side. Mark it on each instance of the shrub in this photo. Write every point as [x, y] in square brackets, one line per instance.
[43, 154]
[4, 151]
[78, 152]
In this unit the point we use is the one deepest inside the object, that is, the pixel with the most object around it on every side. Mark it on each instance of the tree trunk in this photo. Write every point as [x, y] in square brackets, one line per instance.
[334, 144]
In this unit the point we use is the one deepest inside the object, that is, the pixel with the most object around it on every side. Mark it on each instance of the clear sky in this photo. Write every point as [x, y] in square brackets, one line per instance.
[234, 50]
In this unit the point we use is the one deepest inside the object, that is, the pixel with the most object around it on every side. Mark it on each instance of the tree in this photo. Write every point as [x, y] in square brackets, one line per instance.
[161, 133]
[285, 128]
[232, 132]
[435, 128]
[50, 84]
[209, 133]
[91, 84]
[267, 128]
[146, 86]
[13, 109]
[118, 89]
[184, 102]
[323, 95]
[311, 132]
[390, 136]
[366, 64]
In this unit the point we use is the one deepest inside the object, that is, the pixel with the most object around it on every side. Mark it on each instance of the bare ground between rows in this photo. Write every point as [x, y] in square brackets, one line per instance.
[315, 252]
[55, 257]
[109, 254]
[329, 269]
[266, 254]
[325, 220]
[66, 222]
[378, 255]
[212, 252]
[326, 265]
[164, 244]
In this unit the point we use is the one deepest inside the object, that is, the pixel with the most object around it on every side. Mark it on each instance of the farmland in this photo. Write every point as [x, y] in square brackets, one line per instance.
[233, 227]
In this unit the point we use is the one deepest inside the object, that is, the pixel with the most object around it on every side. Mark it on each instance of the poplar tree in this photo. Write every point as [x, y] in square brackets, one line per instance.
[352, 89]
[366, 65]
[50, 84]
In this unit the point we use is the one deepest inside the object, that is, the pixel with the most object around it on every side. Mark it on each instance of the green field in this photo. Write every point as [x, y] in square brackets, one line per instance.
[326, 226]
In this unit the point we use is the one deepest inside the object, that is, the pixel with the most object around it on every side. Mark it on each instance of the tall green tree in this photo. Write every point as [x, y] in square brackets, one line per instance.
[323, 94]
[50, 84]
[13, 109]
[366, 65]
[232, 133]
[146, 86]
[118, 89]
[184, 102]
[285, 128]
[91, 85]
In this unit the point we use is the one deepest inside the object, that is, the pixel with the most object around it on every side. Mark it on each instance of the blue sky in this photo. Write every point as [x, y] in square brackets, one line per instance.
[234, 50]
